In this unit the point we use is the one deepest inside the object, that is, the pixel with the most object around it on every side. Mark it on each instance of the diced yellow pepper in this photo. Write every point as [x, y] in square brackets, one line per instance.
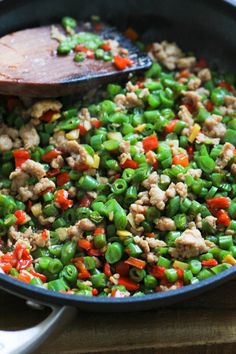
[55, 117]
[180, 265]
[89, 161]
[36, 209]
[123, 233]
[140, 128]
[73, 134]
[196, 129]
[229, 259]
[96, 161]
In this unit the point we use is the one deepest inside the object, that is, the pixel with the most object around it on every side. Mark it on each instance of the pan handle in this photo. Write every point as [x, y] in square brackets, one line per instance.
[28, 340]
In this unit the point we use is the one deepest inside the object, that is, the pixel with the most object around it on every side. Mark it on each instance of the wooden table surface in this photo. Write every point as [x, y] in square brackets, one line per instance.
[203, 325]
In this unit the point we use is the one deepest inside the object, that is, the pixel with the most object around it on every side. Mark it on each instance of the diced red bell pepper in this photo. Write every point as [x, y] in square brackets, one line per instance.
[82, 130]
[45, 234]
[81, 166]
[169, 128]
[95, 292]
[20, 252]
[158, 272]
[96, 123]
[223, 217]
[106, 47]
[128, 283]
[122, 268]
[107, 269]
[209, 106]
[80, 48]
[218, 202]
[180, 159]
[95, 252]
[135, 262]
[150, 143]
[53, 172]
[99, 231]
[180, 273]
[83, 272]
[21, 217]
[6, 267]
[47, 116]
[50, 155]
[209, 262]
[24, 276]
[38, 275]
[225, 85]
[23, 264]
[61, 198]
[122, 63]
[20, 157]
[129, 164]
[63, 178]
[85, 244]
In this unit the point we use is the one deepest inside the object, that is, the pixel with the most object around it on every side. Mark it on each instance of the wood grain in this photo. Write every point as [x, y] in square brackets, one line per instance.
[205, 325]
[31, 67]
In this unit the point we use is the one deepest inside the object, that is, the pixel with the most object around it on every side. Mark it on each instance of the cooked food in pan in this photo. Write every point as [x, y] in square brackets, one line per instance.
[130, 190]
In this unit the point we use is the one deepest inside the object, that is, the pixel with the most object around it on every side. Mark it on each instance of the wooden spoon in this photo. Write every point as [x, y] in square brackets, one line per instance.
[31, 67]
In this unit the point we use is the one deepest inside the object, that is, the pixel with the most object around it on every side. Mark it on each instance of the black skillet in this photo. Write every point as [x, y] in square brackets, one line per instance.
[208, 28]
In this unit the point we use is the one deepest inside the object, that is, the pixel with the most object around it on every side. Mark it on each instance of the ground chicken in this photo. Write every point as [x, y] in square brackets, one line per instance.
[171, 191]
[202, 138]
[157, 197]
[194, 83]
[22, 237]
[213, 127]
[19, 179]
[86, 225]
[233, 169]
[192, 98]
[230, 101]
[33, 168]
[186, 117]
[26, 193]
[6, 143]
[58, 162]
[226, 155]
[181, 189]
[85, 118]
[43, 184]
[143, 198]
[151, 258]
[165, 224]
[46, 221]
[58, 139]
[29, 136]
[124, 146]
[155, 243]
[138, 212]
[211, 220]
[204, 75]
[166, 53]
[194, 172]
[143, 244]
[186, 62]
[152, 179]
[41, 107]
[189, 244]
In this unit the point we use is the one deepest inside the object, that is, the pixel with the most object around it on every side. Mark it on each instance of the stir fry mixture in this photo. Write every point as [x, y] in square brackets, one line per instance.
[127, 193]
[89, 44]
